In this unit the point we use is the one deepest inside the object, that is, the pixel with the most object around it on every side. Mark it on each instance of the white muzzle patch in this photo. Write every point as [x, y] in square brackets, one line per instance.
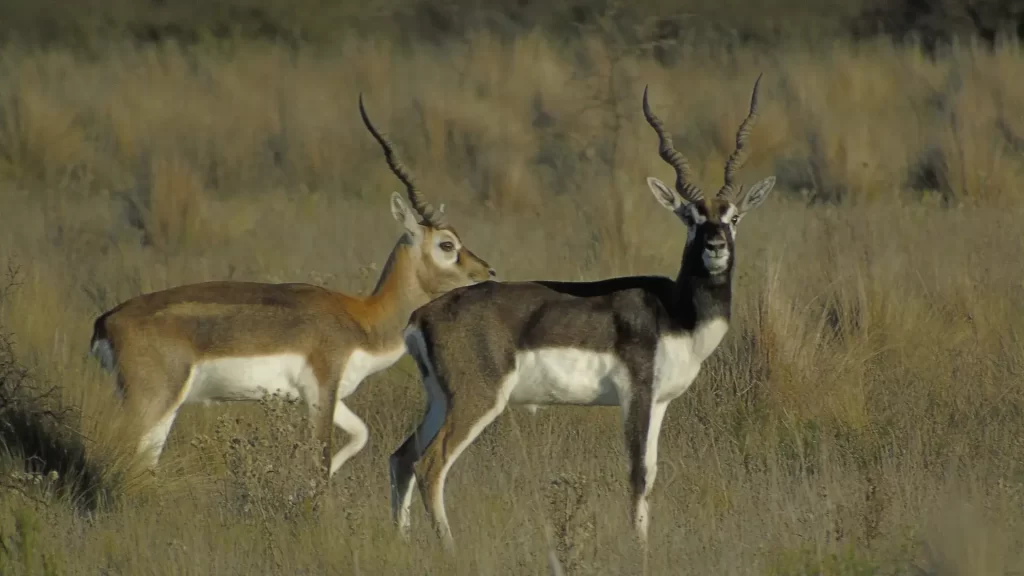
[716, 261]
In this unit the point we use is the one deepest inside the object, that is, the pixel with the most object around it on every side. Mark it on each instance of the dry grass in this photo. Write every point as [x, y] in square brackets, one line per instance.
[864, 416]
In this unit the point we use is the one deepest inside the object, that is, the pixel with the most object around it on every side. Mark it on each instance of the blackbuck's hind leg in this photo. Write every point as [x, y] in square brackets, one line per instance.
[467, 416]
[401, 468]
[402, 462]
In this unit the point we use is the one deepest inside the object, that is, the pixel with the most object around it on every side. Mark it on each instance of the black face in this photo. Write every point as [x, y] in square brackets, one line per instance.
[712, 227]
[710, 222]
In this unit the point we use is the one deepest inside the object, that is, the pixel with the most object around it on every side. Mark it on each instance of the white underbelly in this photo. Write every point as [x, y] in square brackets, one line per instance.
[568, 376]
[588, 378]
[249, 378]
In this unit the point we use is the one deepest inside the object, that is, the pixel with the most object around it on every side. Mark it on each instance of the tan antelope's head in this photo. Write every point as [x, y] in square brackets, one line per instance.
[443, 262]
[711, 222]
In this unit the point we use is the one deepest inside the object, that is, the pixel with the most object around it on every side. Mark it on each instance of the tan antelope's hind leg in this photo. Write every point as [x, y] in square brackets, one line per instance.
[157, 404]
[465, 420]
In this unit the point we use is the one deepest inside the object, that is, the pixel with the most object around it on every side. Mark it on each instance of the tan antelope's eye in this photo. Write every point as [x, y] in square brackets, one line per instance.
[447, 246]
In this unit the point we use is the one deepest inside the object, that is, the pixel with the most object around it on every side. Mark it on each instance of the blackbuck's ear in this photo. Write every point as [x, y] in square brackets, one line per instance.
[406, 217]
[665, 196]
[755, 195]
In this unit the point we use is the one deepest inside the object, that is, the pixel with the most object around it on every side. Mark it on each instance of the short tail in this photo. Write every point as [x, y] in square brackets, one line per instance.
[100, 345]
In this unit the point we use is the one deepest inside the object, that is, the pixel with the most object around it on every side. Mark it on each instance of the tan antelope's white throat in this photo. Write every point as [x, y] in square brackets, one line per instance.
[636, 342]
[236, 341]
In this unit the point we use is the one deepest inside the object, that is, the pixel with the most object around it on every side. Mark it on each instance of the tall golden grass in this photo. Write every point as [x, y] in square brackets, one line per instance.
[865, 414]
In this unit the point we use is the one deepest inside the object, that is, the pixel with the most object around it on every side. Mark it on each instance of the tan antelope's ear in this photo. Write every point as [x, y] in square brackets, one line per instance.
[406, 217]
[755, 195]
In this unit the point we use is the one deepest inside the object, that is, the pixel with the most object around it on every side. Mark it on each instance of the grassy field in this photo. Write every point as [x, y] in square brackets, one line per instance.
[865, 414]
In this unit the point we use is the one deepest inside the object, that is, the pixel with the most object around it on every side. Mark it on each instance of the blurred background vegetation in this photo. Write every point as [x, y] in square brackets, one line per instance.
[82, 23]
[865, 414]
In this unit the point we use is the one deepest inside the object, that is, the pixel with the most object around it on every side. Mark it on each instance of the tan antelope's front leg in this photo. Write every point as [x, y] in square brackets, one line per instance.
[357, 431]
[323, 408]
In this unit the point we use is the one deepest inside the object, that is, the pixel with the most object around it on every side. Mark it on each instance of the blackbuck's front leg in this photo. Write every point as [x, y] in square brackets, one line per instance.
[642, 438]
[642, 422]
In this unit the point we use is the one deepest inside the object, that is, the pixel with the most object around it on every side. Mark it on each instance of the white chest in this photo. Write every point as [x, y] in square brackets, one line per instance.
[678, 358]
[361, 364]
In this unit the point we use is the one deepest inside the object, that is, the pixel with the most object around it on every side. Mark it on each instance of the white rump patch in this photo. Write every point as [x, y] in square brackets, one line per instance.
[104, 352]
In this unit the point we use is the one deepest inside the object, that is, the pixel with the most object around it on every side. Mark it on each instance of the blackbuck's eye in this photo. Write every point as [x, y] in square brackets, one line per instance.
[735, 220]
[447, 246]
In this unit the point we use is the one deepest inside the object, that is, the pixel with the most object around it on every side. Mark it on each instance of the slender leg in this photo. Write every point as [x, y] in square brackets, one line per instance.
[403, 481]
[403, 475]
[358, 433]
[322, 407]
[466, 419]
[403, 460]
[324, 419]
[640, 414]
[151, 444]
[644, 458]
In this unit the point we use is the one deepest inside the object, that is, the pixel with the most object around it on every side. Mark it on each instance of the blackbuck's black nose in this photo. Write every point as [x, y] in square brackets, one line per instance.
[716, 244]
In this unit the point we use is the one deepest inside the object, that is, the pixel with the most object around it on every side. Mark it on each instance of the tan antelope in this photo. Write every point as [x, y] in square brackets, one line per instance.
[635, 342]
[227, 341]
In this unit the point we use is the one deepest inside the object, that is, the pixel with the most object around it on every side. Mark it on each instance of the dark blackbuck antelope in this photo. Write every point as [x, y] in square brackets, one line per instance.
[226, 341]
[636, 342]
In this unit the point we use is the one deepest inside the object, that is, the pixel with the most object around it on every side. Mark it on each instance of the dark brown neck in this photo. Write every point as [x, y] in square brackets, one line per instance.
[700, 294]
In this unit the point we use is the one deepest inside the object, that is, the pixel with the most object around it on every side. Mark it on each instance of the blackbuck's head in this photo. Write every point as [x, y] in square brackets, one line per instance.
[710, 221]
[443, 263]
